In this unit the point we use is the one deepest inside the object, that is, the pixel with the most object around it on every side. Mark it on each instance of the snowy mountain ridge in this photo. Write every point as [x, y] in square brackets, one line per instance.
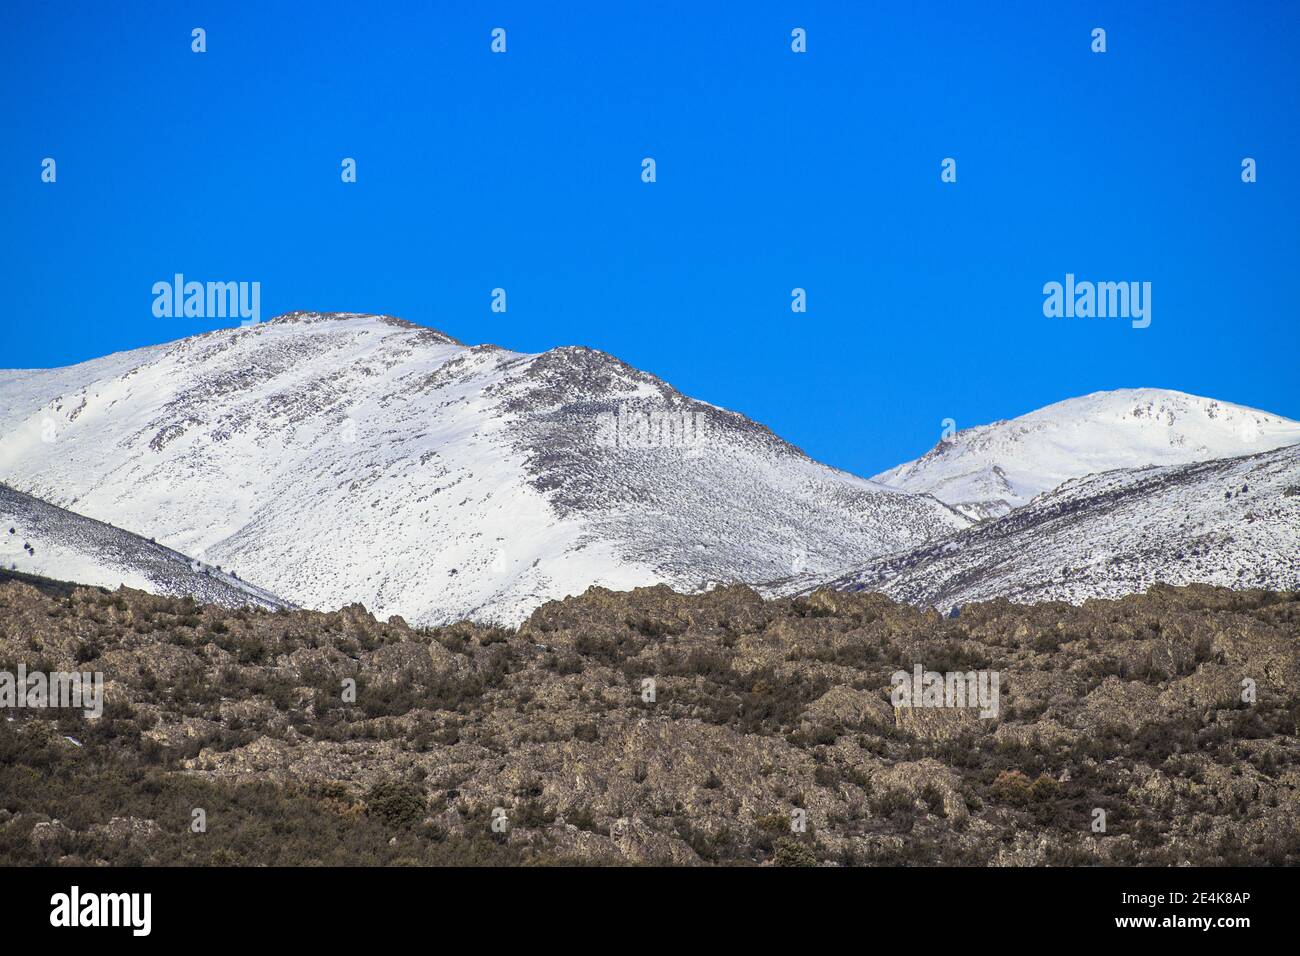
[988, 470]
[41, 539]
[334, 457]
[1231, 522]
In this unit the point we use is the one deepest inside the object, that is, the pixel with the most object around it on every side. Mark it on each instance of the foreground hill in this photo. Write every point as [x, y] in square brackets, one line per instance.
[988, 470]
[1234, 522]
[761, 716]
[38, 538]
[334, 458]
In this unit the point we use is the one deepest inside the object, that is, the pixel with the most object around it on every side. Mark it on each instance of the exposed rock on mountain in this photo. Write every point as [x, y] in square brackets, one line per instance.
[649, 727]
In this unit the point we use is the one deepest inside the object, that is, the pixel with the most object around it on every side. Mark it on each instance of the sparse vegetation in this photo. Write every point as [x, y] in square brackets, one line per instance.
[337, 738]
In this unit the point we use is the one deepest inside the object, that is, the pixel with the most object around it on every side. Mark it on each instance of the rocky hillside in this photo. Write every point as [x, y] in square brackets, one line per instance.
[768, 734]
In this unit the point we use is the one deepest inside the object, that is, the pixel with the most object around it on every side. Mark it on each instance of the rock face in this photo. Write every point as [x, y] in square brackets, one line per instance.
[336, 457]
[650, 727]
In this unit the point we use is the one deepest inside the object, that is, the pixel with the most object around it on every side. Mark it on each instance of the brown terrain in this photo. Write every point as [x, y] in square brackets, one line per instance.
[765, 714]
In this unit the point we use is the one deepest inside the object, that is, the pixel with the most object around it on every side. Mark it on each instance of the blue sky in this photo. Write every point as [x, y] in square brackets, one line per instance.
[775, 171]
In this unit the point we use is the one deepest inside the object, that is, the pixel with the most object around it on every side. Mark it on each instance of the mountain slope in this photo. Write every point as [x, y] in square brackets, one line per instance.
[337, 458]
[38, 538]
[988, 470]
[1232, 522]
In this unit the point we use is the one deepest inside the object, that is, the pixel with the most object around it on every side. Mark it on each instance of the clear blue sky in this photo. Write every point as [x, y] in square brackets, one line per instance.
[775, 170]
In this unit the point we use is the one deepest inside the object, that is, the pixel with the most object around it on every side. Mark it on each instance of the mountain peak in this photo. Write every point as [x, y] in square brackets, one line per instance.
[340, 457]
[307, 317]
[988, 470]
[1230, 522]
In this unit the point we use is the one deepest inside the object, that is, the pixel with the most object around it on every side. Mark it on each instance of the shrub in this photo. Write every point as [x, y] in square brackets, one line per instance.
[790, 852]
[396, 805]
[1044, 788]
[1013, 787]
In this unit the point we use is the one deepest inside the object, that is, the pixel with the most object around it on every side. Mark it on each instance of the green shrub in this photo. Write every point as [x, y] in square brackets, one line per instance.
[396, 805]
[790, 852]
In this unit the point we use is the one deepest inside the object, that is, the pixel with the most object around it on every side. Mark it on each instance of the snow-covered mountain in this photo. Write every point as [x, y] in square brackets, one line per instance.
[38, 538]
[334, 458]
[1233, 522]
[988, 470]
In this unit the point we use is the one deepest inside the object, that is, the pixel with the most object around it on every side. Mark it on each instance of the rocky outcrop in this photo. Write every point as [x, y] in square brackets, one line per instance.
[654, 728]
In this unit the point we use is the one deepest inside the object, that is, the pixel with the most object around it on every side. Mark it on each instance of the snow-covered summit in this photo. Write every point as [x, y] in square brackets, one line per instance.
[1230, 522]
[334, 458]
[988, 470]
